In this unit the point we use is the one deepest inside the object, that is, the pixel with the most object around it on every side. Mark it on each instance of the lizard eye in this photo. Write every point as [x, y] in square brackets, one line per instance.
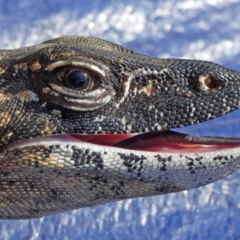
[77, 85]
[77, 79]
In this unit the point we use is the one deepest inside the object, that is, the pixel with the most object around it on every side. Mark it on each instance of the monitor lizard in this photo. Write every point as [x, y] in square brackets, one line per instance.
[85, 122]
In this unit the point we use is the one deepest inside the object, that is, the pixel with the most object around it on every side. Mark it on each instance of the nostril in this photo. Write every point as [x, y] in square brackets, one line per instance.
[208, 82]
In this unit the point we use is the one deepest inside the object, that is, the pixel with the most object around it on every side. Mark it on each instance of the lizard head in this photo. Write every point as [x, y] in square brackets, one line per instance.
[72, 110]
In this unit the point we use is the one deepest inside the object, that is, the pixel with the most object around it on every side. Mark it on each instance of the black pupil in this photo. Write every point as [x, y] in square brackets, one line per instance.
[77, 79]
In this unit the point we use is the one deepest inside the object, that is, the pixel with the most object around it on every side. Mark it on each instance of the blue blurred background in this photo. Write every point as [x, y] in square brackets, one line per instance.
[203, 29]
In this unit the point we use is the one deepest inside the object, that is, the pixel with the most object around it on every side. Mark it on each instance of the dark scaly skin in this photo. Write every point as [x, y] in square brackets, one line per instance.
[134, 93]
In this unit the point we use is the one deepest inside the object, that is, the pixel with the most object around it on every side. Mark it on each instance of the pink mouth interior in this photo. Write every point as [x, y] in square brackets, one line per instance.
[166, 141]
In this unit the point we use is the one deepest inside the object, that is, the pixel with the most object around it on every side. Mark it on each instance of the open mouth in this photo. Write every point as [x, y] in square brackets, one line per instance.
[162, 141]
